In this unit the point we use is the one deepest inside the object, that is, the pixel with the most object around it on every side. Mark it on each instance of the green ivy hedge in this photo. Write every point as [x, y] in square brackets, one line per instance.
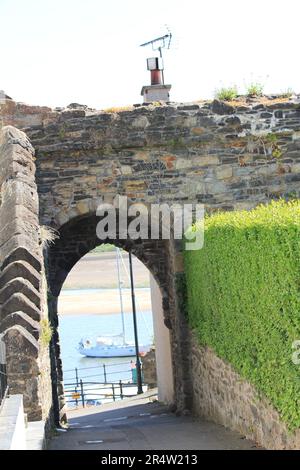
[243, 297]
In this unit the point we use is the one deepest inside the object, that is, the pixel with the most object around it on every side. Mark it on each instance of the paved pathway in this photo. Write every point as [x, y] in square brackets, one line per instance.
[141, 423]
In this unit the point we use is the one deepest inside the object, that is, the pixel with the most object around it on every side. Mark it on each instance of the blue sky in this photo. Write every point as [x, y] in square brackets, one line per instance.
[54, 52]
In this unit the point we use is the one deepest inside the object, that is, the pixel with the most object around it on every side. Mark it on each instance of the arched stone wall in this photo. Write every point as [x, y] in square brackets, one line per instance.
[76, 238]
[225, 156]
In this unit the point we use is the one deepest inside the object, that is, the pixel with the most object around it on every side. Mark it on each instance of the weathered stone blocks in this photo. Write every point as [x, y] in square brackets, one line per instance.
[19, 301]
[213, 153]
[205, 141]
[22, 286]
[149, 369]
[17, 248]
[19, 269]
[23, 369]
[221, 395]
[21, 319]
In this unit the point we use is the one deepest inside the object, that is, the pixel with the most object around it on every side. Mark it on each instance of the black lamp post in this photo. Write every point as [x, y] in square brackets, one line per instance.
[138, 363]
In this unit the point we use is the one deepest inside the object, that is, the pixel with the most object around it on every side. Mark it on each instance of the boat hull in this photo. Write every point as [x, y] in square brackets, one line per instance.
[115, 351]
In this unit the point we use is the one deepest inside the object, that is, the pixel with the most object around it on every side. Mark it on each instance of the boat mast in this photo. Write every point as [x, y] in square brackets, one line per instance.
[138, 363]
[120, 294]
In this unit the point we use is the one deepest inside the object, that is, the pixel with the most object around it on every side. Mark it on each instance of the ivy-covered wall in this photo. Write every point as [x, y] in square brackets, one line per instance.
[243, 292]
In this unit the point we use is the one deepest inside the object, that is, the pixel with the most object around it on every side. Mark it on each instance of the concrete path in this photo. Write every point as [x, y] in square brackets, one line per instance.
[141, 423]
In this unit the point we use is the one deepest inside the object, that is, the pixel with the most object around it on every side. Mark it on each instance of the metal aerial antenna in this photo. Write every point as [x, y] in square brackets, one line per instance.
[158, 44]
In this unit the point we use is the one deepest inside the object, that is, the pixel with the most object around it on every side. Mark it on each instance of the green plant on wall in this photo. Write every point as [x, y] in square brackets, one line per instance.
[272, 140]
[46, 331]
[255, 89]
[62, 132]
[288, 93]
[177, 142]
[268, 142]
[244, 298]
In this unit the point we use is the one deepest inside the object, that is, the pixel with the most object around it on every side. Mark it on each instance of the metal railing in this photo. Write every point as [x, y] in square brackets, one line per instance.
[104, 372]
[97, 393]
[3, 376]
[81, 390]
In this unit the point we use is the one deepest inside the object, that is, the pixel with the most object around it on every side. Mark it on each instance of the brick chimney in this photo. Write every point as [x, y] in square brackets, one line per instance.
[157, 91]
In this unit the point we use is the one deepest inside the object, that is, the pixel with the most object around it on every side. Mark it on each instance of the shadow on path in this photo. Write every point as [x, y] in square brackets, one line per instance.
[140, 423]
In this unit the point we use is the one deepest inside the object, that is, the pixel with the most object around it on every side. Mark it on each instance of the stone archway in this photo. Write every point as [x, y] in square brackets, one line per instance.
[77, 237]
[210, 153]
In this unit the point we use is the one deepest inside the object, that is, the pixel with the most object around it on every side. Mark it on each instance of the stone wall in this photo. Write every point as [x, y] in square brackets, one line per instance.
[76, 239]
[149, 368]
[22, 305]
[222, 396]
[226, 156]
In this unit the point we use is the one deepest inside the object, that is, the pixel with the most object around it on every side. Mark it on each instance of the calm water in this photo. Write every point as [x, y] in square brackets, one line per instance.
[74, 327]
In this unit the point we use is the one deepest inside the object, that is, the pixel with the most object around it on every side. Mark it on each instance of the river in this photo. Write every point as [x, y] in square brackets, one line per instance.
[72, 328]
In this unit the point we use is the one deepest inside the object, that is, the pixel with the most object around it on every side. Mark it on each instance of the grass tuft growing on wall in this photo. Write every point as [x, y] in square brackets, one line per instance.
[243, 292]
[45, 332]
[255, 89]
[227, 94]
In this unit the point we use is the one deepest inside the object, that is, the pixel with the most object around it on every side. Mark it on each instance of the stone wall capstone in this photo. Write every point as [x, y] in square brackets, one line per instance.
[224, 156]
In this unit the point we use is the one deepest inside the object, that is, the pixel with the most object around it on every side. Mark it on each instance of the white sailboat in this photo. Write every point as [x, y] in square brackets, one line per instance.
[116, 345]
[109, 347]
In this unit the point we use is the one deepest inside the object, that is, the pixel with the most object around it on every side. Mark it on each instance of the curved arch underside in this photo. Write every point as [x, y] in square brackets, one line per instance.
[78, 237]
